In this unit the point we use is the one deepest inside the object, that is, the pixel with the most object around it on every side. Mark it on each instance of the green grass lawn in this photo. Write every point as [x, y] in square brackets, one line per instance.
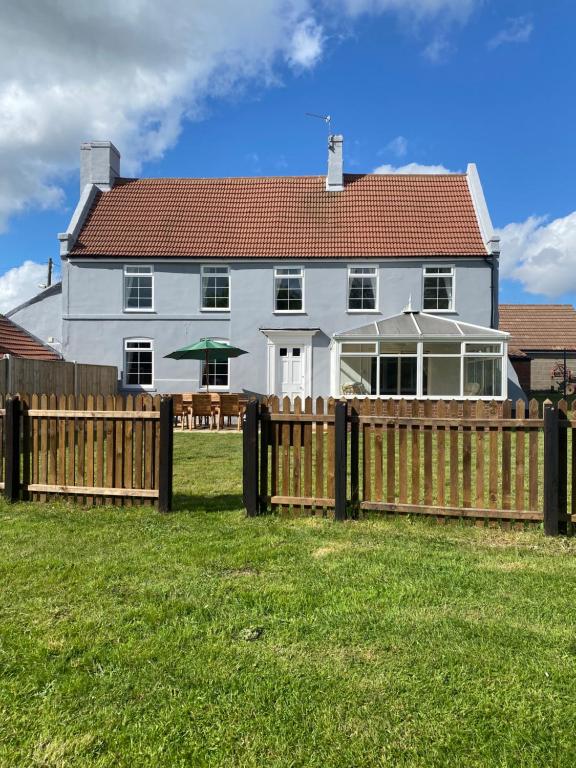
[203, 638]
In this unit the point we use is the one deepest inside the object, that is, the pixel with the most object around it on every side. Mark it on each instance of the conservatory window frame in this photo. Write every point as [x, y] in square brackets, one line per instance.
[420, 357]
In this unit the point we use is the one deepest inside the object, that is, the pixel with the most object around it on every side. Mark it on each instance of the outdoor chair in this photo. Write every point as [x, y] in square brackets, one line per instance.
[354, 389]
[187, 409]
[178, 410]
[229, 408]
[202, 410]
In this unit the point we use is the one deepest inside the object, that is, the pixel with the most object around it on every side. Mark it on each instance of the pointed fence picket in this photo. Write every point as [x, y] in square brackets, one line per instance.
[92, 450]
[476, 460]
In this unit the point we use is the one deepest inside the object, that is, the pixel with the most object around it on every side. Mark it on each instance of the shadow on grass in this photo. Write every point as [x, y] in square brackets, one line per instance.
[186, 502]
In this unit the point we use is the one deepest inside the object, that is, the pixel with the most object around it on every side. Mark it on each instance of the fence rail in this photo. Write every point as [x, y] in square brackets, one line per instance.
[93, 449]
[477, 460]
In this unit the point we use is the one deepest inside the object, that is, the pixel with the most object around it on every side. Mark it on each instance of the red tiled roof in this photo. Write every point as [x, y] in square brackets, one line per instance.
[285, 217]
[16, 341]
[538, 327]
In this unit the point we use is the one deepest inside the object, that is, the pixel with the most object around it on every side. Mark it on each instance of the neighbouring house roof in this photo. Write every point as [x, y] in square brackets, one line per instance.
[416, 325]
[53, 290]
[284, 217]
[14, 340]
[538, 327]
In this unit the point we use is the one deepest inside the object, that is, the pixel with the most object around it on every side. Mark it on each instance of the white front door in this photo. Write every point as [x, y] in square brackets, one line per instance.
[290, 362]
[291, 370]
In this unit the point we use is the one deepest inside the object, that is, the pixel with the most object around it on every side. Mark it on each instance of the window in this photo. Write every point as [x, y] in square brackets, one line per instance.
[138, 283]
[483, 370]
[429, 368]
[441, 369]
[358, 375]
[483, 349]
[354, 348]
[438, 289]
[218, 374]
[362, 289]
[388, 368]
[441, 376]
[138, 368]
[288, 289]
[216, 289]
[398, 375]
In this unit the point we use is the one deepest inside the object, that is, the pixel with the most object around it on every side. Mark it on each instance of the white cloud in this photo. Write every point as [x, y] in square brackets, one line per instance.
[517, 30]
[411, 168]
[133, 71]
[20, 284]
[421, 9]
[78, 70]
[399, 146]
[307, 44]
[438, 50]
[541, 254]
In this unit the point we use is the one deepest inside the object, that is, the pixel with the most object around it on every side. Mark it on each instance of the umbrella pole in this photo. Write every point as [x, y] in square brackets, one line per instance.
[206, 369]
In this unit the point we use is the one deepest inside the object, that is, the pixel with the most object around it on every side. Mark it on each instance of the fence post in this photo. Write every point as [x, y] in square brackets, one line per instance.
[562, 467]
[12, 450]
[25, 448]
[340, 460]
[264, 466]
[354, 460]
[250, 451]
[166, 455]
[551, 487]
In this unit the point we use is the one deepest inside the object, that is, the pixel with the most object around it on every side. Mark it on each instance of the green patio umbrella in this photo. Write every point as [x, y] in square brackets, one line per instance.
[207, 350]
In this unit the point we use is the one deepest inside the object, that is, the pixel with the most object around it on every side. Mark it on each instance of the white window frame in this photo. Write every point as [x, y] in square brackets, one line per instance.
[452, 268]
[502, 356]
[337, 353]
[204, 269]
[375, 274]
[125, 384]
[215, 387]
[303, 281]
[125, 274]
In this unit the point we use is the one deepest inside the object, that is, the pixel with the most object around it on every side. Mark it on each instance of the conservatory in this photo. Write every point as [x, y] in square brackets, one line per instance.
[419, 355]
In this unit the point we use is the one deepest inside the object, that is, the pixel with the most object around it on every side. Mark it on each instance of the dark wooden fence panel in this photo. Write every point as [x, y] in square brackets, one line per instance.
[18, 374]
[2, 427]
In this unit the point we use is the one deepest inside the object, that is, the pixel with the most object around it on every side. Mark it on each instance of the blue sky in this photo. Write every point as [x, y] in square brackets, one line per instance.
[430, 82]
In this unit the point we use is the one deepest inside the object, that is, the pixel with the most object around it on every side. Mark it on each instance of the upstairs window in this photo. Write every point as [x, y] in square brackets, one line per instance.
[138, 288]
[216, 289]
[362, 289]
[288, 289]
[438, 289]
[138, 363]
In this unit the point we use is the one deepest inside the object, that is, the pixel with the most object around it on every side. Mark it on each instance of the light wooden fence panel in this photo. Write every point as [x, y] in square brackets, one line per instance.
[93, 450]
[475, 460]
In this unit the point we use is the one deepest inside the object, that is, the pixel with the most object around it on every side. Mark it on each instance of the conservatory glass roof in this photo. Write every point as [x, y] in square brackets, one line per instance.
[420, 325]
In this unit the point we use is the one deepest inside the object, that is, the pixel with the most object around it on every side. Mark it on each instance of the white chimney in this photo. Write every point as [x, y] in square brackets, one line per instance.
[335, 177]
[99, 164]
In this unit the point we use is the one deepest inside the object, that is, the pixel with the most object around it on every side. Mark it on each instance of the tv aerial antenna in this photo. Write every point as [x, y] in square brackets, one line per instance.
[326, 118]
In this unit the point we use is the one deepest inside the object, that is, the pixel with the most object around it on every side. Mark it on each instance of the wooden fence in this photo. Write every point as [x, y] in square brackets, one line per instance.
[476, 460]
[94, 450]
[18, 374]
